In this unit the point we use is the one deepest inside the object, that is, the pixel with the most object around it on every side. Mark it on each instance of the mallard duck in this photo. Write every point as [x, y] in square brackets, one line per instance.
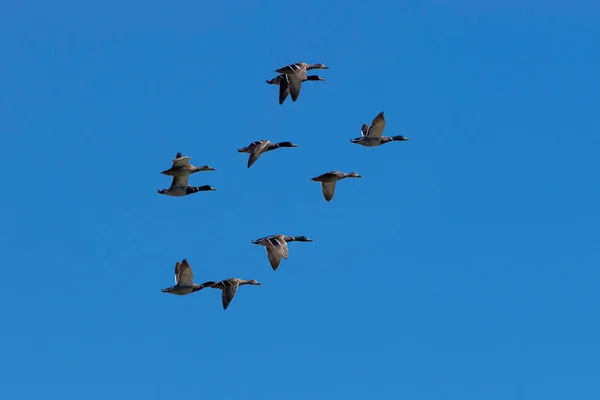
[329, 179]
[182, 167]
[276, 246]
[371, 135]
[296, 74]
[256, 149]
[184, 280]
[179, 187]
[229, 287]
[282, 81]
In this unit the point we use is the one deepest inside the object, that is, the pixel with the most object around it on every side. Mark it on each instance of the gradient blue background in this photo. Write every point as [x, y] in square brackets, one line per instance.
[465, 265]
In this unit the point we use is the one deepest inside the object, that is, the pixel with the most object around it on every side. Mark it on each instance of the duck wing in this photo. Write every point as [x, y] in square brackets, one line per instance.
[283, 89]
[228, 294]
[276, 249]
[180, 181]
[183, 274]
[328, 189]
[181, 161]
[377, 126]
[294, 85]
[365, 130]
[257, 151]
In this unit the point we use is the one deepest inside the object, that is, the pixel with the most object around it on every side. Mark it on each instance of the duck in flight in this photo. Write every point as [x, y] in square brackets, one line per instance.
[277, 248]
[184, 280]
[258, 148]
[372, 135]
[329, 179]
[181, 167]
[296, 74]
[180, 170]
[180, 187]
[283, 82]
[229, 288]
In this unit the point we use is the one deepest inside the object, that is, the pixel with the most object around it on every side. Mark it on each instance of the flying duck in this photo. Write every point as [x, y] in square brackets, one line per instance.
[371, 135]
[276, 246]
[296, 74]
[229, 287]
[181, 167]
[283, 82]
[184, 280]
[329, 179]
[179, 187]
[256, 149]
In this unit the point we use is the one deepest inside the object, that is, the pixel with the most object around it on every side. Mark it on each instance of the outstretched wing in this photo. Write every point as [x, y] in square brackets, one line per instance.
[283, 89]
[180, 181]
[181, 161]
[294, 85]
[377, 126]
[183, 274]
[365, 130]
[257, 150]
[228, 294]
[276, 249]
[328, 190]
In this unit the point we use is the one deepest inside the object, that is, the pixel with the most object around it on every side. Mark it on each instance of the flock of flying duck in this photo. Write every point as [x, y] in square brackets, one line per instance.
[289, 80]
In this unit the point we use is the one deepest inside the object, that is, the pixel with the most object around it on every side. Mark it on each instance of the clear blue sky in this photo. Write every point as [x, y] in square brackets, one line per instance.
[464, 265]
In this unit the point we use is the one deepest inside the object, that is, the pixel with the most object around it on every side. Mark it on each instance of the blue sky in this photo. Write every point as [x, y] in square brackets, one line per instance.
[464, 265]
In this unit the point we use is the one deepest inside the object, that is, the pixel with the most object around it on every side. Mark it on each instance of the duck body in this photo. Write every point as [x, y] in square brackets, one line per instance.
[229, 288]
[185, 290]
[181, 167]
[372, 142]
[178, 191]
[276, 247]
[329, 179]
[180, 170]
[259, 147]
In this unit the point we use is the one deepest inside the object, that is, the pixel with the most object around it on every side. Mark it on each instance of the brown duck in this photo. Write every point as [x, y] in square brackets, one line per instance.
[283, 82]
[184, 280]
[256, 149]
[296, 74]
[230, 286]
[329, 179]
[277, 247]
